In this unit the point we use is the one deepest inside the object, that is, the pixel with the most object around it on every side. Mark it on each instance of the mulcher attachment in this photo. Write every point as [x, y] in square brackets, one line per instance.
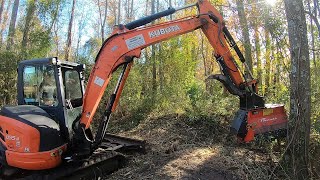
[271, 120]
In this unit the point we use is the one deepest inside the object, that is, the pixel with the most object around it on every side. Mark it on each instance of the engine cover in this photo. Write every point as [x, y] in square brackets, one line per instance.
[29, 138]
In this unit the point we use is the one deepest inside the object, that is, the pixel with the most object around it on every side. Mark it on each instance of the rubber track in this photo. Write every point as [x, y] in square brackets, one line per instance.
[101, 163]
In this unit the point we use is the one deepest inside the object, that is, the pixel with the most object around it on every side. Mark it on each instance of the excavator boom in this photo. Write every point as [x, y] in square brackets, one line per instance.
[125, 44]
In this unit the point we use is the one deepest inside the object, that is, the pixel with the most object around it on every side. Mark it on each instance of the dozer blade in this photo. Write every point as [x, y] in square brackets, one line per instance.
[271, 120]
[122, 144]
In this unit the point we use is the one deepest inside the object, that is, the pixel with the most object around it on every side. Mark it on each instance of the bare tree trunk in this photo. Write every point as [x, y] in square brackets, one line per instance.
[317, 8]
[1, 22]
[313, 15]
[147, 7]
[153, 56]
[312, 39]
[299, 90]
[103, 19]
[54, 17]
[204, 57]
[268, 59]
[205, 64]
[279, 58]
[257, 46]
[268, 53]
[170, 5]
[56, 37]
[315, 19]
[81, 25]
[146, 55]
[30, 13]
[273, 66]
[68, 47]
[55, 27]
[12, 27]
[160, 58]
[1, 10]
[245, 33]
[126, 9]
[131, 11]
[119, 12]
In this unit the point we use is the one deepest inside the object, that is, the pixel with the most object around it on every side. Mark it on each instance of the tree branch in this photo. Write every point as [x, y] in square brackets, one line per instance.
[315, 20]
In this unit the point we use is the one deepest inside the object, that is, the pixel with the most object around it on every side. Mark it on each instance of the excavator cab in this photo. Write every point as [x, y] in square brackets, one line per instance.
[55, 86]
[37, 134]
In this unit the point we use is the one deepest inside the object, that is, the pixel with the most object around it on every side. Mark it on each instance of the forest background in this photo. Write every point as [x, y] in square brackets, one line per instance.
[169, 78]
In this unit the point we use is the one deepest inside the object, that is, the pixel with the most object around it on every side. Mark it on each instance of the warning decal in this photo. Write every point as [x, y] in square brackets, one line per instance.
[135, 42]
[99, 81]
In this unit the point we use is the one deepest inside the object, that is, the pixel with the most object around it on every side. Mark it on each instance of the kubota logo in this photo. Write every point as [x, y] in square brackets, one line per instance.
[162, 31]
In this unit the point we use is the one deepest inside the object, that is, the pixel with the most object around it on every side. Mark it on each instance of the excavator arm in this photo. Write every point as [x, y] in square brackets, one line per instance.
[127, 42]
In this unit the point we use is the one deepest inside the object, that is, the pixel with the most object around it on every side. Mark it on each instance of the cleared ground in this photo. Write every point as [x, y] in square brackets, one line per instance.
[183, 148]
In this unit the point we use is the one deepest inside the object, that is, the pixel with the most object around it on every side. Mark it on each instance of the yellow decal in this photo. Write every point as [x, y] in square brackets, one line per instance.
[267, 112]
[53, 154]
[56, 153]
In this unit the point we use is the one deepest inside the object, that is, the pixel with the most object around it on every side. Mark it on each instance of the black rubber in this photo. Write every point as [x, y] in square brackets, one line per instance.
[95, 167]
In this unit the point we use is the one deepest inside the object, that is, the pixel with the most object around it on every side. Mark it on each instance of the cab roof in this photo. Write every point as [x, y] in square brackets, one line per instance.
[50, 60]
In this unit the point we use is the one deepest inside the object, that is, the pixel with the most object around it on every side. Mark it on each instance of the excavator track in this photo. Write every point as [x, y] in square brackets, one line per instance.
[108, 158]
[96, 166]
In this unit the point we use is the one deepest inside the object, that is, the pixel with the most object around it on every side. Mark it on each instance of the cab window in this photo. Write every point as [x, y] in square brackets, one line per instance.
[73, 89]
[39, 85]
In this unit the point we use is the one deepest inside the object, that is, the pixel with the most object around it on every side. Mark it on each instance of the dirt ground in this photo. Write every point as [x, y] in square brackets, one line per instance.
[181, 148]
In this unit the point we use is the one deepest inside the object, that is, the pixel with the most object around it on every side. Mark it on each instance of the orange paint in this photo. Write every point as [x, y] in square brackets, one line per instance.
[35, 161]
[19, 136]
[268, 119]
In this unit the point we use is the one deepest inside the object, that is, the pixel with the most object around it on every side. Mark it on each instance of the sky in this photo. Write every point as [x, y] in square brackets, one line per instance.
[91, 16]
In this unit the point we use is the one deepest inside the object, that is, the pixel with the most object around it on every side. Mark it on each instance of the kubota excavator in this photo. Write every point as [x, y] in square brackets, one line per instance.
[48, 135]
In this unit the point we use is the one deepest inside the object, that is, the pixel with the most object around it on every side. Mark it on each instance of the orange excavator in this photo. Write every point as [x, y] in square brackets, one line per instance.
[48, 135]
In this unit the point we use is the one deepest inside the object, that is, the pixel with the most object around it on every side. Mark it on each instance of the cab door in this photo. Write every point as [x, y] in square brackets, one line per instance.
[73, 94]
